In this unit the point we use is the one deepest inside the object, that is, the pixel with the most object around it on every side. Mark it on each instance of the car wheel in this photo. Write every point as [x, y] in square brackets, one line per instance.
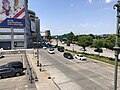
[17, 74]
[0, 77]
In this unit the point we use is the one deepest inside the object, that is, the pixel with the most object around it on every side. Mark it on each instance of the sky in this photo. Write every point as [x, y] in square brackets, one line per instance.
[79, 16]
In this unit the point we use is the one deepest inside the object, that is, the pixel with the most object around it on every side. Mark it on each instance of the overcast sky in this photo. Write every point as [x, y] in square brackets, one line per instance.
[78, 16]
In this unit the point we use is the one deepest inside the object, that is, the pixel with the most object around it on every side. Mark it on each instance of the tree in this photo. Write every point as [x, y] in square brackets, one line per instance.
[110, 41]
[93, 36]
[85, 41]
[98, 44]
[70, 37]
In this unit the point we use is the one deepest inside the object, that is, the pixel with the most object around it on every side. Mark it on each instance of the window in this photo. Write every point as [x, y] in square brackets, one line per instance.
[19, 44]
[18, 36]
[5, 36]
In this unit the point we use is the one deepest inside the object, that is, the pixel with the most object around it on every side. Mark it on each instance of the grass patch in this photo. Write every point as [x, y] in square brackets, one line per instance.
[98, 58]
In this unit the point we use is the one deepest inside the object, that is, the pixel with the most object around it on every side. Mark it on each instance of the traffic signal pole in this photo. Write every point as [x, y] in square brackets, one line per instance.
[117, 48]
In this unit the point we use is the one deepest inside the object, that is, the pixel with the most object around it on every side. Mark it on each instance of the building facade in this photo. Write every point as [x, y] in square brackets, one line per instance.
[15, 26]
[35, 27]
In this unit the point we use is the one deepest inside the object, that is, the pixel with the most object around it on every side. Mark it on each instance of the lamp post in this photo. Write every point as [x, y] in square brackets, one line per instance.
[57, 40]
[117, 48]
[37, 22]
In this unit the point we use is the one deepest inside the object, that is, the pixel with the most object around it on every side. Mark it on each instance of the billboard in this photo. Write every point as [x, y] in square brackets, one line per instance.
[12, 13]
[33, 26]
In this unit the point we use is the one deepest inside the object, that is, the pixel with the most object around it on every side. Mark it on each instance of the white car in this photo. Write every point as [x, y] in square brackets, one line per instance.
[51, 51]
[44, 47]
[63, 42]
[80, 57]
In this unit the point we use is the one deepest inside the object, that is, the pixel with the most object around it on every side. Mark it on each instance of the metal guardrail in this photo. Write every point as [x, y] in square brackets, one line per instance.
[28, 68]
[30, 72]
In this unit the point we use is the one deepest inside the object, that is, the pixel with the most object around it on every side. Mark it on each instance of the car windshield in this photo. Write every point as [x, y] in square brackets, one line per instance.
[80, 55]
[51, 49]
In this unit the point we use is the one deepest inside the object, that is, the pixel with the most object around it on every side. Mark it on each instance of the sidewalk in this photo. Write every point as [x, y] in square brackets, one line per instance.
[43, 82]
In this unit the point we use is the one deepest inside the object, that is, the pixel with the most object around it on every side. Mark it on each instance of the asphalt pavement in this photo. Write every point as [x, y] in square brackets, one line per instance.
[43, 83]
[78, 75]
[15, 83]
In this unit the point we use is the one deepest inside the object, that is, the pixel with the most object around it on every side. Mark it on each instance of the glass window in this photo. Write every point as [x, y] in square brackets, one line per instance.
[18, 30]
[5, 36]
[18, 36]
[5, 29]
[19, 44]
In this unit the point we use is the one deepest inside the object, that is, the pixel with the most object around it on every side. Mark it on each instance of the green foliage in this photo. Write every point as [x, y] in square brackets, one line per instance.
[70, 36]
[63, 37]
[99, 43]
[93, 36]
[110, 41]
[85, 41]
[76, 38]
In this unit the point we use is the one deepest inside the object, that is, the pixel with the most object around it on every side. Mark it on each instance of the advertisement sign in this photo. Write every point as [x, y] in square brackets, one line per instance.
[12, 13]
[33, 26]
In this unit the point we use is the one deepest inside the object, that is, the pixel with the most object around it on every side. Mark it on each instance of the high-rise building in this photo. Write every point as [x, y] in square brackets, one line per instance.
[34, 26]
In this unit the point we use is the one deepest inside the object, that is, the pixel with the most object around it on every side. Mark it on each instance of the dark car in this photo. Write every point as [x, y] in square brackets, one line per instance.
[61, 49]
[8, 72]
[68, 55]
[14, 64]
[98, 50]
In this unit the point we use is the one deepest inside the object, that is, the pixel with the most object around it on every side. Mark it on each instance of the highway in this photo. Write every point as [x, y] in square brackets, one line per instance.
[78, 75]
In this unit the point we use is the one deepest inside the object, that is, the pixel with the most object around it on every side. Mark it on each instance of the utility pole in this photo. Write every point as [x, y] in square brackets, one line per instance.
[117, 48]
[57, 40]
[37, 34]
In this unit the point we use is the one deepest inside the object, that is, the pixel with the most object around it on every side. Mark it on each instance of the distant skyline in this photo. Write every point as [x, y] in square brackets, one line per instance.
[78, 16]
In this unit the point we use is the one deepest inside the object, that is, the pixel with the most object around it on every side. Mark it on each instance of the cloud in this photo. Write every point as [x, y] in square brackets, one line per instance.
[101, 1]
[90, 1]
[108, 1]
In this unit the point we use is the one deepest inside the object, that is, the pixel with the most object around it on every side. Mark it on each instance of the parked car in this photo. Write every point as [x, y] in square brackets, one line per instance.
[51, 51]
[80, 57]
[63, 42]
[7, 72]
[82, 49]
[14, 64]
[98, 50]
[68, 55]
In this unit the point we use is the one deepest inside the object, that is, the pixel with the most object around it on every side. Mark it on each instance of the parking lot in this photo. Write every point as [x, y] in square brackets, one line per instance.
[15, 83]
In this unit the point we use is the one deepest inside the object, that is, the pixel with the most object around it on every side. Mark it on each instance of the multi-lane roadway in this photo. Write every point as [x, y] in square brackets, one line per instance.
[78, 75]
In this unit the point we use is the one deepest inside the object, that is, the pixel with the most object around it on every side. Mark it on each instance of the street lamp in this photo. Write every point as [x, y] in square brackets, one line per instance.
[117, 48]
[57, 40]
